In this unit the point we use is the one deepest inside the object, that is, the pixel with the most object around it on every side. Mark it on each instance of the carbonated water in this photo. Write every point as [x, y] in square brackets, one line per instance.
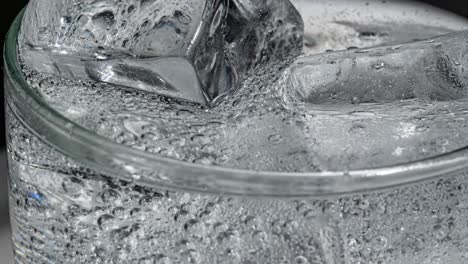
[360, 108]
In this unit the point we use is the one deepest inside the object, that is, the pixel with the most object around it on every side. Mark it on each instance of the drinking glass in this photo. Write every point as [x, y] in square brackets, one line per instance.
[76, 197]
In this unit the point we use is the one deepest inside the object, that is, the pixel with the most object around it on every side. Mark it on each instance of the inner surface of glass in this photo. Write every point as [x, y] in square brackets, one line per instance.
[131, 120]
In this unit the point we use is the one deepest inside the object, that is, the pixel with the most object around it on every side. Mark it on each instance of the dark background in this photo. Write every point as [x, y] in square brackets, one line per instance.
[14, 6]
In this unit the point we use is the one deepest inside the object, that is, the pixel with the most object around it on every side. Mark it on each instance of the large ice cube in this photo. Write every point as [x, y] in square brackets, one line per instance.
[261, 31]
[122, 42]
[431, 69]
[175, 48]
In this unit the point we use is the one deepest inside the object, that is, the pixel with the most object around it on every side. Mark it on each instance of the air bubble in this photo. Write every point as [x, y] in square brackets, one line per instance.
[106, 222]
[301, 260]
[73, 186]
[104, 19]
[275, 139]
[380, 243]
[109, 196]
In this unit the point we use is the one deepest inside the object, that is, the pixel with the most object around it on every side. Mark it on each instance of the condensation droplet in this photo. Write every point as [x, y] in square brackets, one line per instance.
[109, 196]
[275, 139]
[301, 260]
[106, 222]
[104, 19]
[380, 243]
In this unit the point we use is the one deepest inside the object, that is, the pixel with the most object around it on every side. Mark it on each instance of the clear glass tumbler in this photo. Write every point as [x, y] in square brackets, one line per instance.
[76, 197]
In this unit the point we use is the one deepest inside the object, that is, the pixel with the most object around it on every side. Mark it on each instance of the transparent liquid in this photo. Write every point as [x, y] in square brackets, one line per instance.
[64, 212]
[366, 120]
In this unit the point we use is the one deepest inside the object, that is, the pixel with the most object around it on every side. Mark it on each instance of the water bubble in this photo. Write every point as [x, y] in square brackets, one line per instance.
[104, 19]
[220, 227]
[355, 100]
[260, 236]
[233, 254]
[310, 214]
[147, 260]
[439, 233]
[301, 260]
[284, 260]
[65, 20]
[379, 66]
[201, 139]
[353, 245]
[277, 227]
[312, 245]
[162, 259]
[358, 128]
[436, 260]
[181, 214]
[275, 139]
[193, 256]
[106, 222]
[72, 186]
[37, 242]
[183, 244]
[136, 177]
[364, 204]
[204, 161]
[177, 142]
[230, 237]
[291, 226]
[148, 201]
[253, 222]
[101, 252]
[422, 128]
[317, 259]
[135, 212]
[191, 225]
[119, 212]
[222, 159]
[380, 243]
[109, 196]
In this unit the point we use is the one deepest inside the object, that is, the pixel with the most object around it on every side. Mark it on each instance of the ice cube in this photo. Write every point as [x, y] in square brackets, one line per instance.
[262, 31]
[431, 69]
[175, 48]
[172, 47]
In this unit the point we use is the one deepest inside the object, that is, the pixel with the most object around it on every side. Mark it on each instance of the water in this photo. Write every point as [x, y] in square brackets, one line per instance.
[277, 120]
[62, 211]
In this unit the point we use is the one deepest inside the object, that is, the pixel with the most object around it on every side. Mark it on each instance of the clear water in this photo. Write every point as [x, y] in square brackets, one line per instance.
[338, 111]
[64, 212]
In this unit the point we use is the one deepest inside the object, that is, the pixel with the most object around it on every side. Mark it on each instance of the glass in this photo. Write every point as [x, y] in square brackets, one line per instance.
[79, 198]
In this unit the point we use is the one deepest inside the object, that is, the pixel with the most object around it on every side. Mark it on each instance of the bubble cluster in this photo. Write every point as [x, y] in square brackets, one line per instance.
[64, 212]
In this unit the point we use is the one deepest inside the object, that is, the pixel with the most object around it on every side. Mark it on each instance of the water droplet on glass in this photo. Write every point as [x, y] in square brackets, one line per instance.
[162, 259]
[106, 222]
[110, 196]
[380, 243]
[379, 66]
[104, 19]
[301, 260]
[72, 186]
[355, 100]
[275, 139]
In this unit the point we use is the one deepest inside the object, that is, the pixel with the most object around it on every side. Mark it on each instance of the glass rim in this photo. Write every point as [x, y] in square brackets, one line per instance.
[90, 148]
